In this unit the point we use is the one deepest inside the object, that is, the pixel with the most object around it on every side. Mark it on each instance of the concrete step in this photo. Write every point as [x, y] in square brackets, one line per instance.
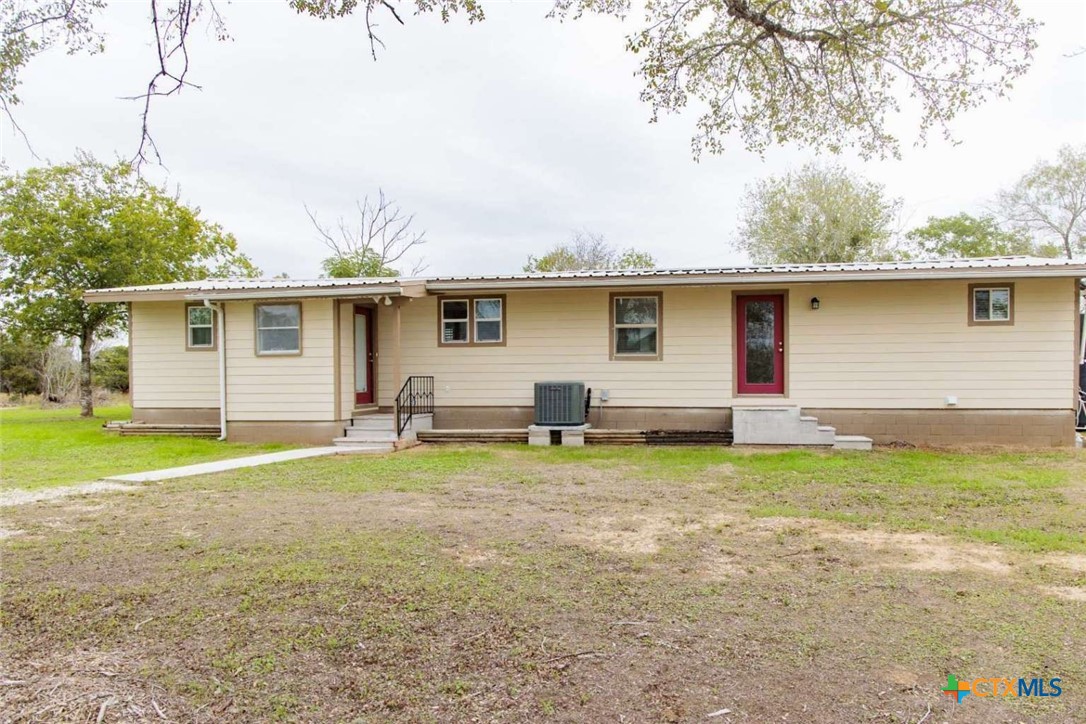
[851, 442]
[364, 424]
[367, 435]
[353, 445]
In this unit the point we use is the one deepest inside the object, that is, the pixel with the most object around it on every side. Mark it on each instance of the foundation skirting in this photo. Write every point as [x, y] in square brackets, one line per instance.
[176, 415]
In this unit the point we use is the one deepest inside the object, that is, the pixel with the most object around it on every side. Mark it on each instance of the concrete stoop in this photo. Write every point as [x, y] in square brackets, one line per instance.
[376, 433]
[788, 426]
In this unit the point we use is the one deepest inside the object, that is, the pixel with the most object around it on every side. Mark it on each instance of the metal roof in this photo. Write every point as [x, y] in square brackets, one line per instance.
[415, 286]
[996, 262]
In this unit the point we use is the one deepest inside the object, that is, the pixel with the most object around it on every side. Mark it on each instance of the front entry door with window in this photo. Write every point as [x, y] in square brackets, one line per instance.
[363, 355]
[760, 340]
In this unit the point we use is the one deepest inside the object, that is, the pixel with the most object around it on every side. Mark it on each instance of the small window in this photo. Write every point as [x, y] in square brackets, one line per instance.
[454, 321]
[991, 304]
[278, 329]
[200, 329]
[472, 321]
[636, 326]
[488, 320]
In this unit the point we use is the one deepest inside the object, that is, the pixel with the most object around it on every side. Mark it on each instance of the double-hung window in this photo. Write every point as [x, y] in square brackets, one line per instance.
[199, 327]
[488, 320]
[278, 329]
[472, 321]
[992, 304]
[635, 326]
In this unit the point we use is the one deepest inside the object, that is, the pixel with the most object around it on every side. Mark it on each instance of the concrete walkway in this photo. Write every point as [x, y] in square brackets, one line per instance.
[218, 466]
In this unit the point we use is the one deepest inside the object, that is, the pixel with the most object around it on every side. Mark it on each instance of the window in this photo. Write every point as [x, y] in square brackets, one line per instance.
[488, 320]
[200, 327]
[991, 304]
[454, 321]
[472, 321]
[635, 326]
[278, 329]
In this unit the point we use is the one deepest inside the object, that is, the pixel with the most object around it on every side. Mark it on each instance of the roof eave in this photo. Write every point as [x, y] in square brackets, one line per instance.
[743, 278]
[406, 289]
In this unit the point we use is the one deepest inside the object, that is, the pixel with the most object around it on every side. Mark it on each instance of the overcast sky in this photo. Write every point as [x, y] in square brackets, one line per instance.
[500, 137]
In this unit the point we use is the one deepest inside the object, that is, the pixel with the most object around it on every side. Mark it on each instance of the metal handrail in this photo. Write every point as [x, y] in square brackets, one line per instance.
[416, 397]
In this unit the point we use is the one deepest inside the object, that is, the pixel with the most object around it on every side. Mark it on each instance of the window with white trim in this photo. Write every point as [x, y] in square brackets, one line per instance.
[278, 329]
[636, 326]
[992, 304]
[472, 321]
[200, 327]
[488, 320]
[454, 321]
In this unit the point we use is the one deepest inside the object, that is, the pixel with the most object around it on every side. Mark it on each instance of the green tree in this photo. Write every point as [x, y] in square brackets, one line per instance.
[354, 265]
[1050, 201]
[87, 225]
[825, 74]
[816, 215]
[19, 355]
[110, 367]
[964, 236]
[586, 250]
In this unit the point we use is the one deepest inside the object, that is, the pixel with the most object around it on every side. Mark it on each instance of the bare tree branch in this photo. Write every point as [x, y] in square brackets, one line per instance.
[373, 244]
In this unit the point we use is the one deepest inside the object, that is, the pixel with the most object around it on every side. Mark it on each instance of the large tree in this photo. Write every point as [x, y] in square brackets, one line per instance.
[823, 73]
[586, 250]
[964, 236]
[1050, 200]
[819, 214]
[84, 225]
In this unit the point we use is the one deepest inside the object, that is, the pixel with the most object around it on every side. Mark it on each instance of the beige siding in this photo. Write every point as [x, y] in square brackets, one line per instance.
[880, 345]
[564, 335]
[164, 373]
[871, 345]
[298, 387]
[908, 344]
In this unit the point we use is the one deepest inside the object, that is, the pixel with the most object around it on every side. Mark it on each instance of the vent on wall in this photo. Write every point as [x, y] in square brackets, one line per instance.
[559, 403]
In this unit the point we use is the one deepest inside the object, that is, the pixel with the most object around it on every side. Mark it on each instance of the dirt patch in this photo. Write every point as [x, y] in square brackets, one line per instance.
[1070, 593]
[642, 534]
[1071, 561]
[921, 551]
[18, 496]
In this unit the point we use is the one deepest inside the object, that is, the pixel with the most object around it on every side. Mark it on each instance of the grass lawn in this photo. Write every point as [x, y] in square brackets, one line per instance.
[40, 448]
[513, 584]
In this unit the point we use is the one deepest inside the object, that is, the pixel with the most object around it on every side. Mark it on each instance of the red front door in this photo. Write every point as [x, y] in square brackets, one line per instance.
[363, 355]
[760, 342]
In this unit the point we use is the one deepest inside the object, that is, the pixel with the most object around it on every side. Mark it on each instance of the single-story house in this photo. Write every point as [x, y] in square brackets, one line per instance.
[928, 352]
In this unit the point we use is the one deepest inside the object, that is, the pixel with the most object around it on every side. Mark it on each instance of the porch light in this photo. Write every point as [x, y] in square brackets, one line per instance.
[815, 304]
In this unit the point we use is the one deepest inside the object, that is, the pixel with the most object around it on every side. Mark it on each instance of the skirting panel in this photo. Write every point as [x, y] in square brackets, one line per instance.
[1033, 428]
[299, 433]
[609, 418]
[176, 415]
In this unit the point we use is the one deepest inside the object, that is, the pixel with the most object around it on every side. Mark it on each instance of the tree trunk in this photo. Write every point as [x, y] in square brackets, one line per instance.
[86, 392]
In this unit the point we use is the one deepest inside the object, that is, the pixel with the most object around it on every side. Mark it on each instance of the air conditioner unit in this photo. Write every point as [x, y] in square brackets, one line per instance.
[559, 403]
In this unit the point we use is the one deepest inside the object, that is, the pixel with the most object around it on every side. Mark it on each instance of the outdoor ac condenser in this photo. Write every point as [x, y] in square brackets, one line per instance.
[559, 403]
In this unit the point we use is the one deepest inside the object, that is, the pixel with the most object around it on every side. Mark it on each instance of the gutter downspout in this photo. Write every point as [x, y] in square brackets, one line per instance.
[217, 310]
[1082, 332]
